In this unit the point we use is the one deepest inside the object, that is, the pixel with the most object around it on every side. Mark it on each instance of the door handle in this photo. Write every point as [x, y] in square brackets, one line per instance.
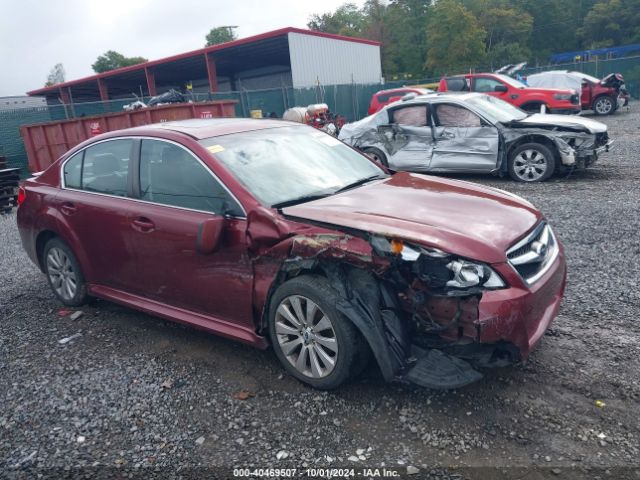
[143, 224]
[68, 208]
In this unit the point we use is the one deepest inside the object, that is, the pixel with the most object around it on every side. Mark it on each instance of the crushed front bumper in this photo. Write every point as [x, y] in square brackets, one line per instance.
[520, 315]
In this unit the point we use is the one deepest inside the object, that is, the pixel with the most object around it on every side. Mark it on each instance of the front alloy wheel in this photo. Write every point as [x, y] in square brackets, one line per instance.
[306, 336]
[312, 339]
[531, 162]
[603, 106]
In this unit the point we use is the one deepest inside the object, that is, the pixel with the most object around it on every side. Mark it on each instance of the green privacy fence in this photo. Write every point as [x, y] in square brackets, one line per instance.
[351, 101]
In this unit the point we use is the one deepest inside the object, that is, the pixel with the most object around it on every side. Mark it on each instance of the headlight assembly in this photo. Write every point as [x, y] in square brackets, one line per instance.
[439, 269]
[468, 274]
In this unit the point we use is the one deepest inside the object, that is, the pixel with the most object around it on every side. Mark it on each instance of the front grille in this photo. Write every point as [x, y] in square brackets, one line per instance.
[532, 256]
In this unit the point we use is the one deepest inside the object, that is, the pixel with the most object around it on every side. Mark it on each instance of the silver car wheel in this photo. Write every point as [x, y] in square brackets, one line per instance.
[530, 165]
[61, 274]
[306, 336]
[604, 105]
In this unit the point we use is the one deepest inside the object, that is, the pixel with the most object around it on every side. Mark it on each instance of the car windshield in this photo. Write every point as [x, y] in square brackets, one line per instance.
[496, 110]
[291, 164]
[511, 81]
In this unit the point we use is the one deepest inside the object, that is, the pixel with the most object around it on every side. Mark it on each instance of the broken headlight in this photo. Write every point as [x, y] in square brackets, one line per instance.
[439, 269]
[468, 274]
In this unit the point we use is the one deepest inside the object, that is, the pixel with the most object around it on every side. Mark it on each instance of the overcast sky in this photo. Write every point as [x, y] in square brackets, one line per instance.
[35, 35]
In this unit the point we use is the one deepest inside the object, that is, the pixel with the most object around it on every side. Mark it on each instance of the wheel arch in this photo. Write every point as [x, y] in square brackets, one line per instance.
[530, 104]
[534, 138]
[68, 237]
[41, 240]
[358, 308]
[613, 100]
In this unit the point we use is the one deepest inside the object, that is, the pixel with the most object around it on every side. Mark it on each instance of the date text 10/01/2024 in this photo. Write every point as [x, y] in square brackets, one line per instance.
[316, 472]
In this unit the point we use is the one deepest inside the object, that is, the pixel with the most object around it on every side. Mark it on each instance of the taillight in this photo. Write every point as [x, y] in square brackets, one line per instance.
[22, 195]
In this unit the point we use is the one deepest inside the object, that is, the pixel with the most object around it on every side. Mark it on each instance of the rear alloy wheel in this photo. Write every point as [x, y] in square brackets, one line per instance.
[531, 162]
[603, 105]
[314, 342]
[64, 274]
[376, 155]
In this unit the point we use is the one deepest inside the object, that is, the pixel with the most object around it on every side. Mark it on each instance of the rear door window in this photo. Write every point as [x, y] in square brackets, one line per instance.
[73, 171]
[457, 84]
[411, 115]
[101, 168]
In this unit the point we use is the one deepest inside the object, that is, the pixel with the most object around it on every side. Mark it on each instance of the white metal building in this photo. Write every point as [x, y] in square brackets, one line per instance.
[289, 57]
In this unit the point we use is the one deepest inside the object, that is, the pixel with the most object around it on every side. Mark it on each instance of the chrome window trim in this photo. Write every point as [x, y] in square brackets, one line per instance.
[138, 137]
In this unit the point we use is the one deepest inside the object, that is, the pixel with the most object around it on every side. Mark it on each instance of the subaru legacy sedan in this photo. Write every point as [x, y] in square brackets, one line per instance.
[279, 235]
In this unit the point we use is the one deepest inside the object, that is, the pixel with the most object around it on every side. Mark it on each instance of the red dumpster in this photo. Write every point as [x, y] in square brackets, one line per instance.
[45, 142]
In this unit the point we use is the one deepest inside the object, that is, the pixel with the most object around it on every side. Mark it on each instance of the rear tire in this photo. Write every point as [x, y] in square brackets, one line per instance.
[64, 273]
[604, 105]
[531, 162]
[376, 155]
[313, 341]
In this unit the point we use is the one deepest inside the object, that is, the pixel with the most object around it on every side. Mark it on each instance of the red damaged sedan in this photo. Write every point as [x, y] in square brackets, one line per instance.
[278, 234]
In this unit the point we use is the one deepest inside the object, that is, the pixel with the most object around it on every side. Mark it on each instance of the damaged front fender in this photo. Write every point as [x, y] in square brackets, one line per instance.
[377, 294]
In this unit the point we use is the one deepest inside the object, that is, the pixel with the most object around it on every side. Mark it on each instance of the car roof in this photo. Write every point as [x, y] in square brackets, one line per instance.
[400, 89]
[429, 97]
[201, 128]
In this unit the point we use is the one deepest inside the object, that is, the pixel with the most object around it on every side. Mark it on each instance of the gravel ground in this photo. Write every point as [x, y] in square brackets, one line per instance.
[134, 395]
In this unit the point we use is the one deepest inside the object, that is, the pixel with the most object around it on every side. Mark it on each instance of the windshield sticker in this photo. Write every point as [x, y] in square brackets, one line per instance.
[216, 148]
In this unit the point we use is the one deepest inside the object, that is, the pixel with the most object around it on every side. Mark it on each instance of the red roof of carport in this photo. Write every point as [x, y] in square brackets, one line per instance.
[200, 51]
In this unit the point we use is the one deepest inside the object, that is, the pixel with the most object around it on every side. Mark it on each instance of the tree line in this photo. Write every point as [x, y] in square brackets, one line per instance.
[431, 37]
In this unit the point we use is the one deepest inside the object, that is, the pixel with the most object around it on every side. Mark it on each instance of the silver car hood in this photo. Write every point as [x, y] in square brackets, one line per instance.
[570, 121]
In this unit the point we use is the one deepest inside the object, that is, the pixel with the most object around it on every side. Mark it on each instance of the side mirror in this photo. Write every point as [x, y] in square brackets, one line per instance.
[500, 88]
[210, 235]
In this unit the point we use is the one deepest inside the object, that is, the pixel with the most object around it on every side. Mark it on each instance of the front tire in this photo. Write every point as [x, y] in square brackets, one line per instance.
[313, 341]
[531, 162]
[604, 105]
[64, 273]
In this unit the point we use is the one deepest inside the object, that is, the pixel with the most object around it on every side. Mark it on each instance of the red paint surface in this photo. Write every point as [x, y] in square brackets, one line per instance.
[159, 269]
[468, 219]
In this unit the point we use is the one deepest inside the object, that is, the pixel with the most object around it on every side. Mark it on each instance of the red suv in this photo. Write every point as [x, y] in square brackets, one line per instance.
[278, 234]
[385, 97]
[510, 90]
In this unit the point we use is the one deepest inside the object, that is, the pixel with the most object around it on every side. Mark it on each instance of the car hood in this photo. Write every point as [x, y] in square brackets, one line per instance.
[568, 121]
[458, 217]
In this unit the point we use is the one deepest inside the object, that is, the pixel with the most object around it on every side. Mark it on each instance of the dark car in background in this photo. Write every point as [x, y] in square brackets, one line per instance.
[476, 133]
[278, 234]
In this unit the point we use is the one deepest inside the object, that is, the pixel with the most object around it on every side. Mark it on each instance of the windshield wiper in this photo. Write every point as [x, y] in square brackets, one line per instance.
[302, 199]
[362, 181]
